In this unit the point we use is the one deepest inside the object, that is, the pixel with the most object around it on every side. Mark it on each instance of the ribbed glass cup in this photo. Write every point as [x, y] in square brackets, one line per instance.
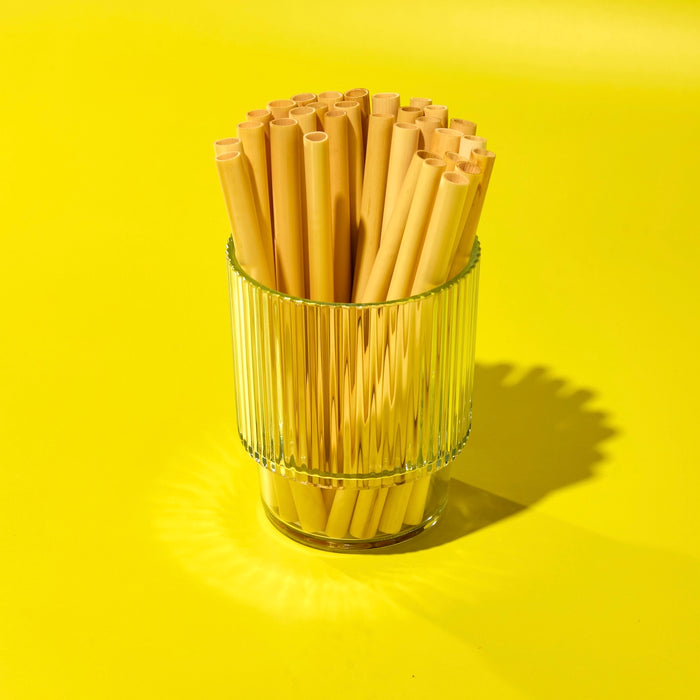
[353, 411]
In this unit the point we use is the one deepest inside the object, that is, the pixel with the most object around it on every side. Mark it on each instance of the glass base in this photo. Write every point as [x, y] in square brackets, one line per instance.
[328, 544]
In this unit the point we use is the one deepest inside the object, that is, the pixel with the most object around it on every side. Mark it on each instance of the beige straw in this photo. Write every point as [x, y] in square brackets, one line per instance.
[330, 97]
[341, 513]
[303, 99]
[397, 278]
[445, 140]
[386, 103]
[420, 102]
[318, 208]
[320, 110]
[394, 508]
[485, 161]
[433, 265]
[452, 158]
[409, 114]
[306, 116]
[264, 116]
[463, 125]
[337, 130]
[427, 126]
[280, 108]
[404, 143]
[255, 147]
[285, 154]
[373, 191]
[245, 229]
[468, 143]
[361, 95]
[311, 509]
[227, 146]
[355, 166]
[437, 111]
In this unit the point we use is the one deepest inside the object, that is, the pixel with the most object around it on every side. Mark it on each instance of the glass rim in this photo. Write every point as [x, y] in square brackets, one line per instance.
[474, 258]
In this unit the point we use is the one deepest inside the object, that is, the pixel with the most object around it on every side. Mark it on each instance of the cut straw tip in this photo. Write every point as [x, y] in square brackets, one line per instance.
[250, 125]
[468, 166]
[227, 156]
[259, 113]
[302, 110]
[484, 152]
[285, 121]
[347, 104]
[386, 95]
[406, 125]
[455, 178]
[231, 141]
[316, 136]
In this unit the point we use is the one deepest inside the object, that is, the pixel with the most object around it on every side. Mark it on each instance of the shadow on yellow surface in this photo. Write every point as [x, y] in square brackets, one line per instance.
[532, 434]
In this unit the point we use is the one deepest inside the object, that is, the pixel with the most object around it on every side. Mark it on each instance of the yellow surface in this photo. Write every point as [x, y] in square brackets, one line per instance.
[134, 558]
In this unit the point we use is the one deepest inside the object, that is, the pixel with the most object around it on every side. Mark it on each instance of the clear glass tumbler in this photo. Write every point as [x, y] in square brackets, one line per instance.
[353, 412]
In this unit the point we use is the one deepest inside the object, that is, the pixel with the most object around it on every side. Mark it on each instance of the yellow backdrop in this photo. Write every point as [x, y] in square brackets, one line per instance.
[134, 558]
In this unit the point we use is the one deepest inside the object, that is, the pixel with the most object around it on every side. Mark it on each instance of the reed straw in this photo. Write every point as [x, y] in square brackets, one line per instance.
[285, 154]
[464, 241]
[420, 102]
[303, 99]
[243, 217]
[468, 143]
[452, 158]
[386, 103]
[437, 111]
[361, 95]
[445, 140]
[280, 108]
[401, 278]
[227, 146]
[484, 160]
[355, 167]
[318, 208]
[255, 147]
[463, 125]
[427, 126]
[320, 110]
[264, 116]
[337, 130]
[409, 114]
[306, 116]
[330, 97]
[433, 265]
[405, 232]
[373, 191]
[404, 143]
[394, 508]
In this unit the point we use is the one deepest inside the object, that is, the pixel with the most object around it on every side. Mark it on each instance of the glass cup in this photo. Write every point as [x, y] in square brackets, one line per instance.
[353, 412]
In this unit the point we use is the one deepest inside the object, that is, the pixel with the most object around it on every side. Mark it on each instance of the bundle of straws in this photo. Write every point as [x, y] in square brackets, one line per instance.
[332, 201]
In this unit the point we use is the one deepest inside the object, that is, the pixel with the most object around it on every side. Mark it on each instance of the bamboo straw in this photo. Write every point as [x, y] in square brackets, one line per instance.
[473, 173]
[404, 143]
[437, 111]
[252, 138]
[245, 229]
[318, 207]
[361, 95]
[373, 191]
[469, 143]
[370, 530]
[386, 103]
[405, 232]
[264, 116]
[355, 168]
[306, 116]
[320, 110]
[463, 125]
[310, 506]
[280, 108]
[452, 158]
[445, 140]
[394, 508]
[341, 513]
[330, 97]
[427, 126]
[227, 146]
[433, 265]
[337, 130]
[285, 154]
[303, 99]
[409, 114]
[420, 102]
[485, 161]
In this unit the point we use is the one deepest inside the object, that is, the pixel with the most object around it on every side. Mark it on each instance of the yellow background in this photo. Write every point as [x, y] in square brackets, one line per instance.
[134, 559]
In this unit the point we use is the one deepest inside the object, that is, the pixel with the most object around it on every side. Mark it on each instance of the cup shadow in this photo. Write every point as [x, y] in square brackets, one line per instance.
[532, 433]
